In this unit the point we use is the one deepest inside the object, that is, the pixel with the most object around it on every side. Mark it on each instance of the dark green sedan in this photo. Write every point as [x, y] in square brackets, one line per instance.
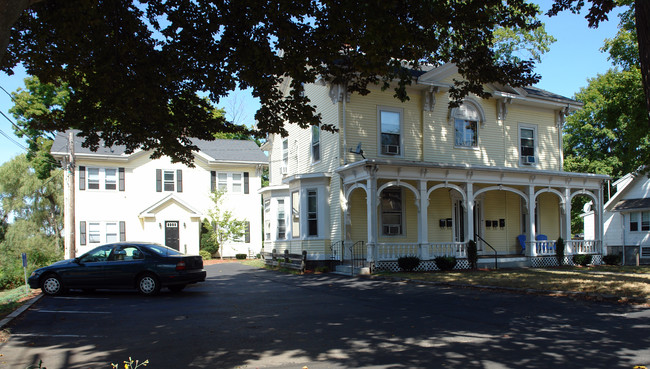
[144, 266]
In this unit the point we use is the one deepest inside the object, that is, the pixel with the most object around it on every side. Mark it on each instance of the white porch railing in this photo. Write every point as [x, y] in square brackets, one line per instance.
[456, 249]
[572, 247]
[394, 251]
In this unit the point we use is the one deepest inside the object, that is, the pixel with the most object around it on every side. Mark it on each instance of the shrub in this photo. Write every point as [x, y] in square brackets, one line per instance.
[408, 263]
[612, 259]
[445, 263]
[208, 244]
[240, 256]
[205, 255]
[472, 254]
[583, 260]
[559, 251]
[322, 269]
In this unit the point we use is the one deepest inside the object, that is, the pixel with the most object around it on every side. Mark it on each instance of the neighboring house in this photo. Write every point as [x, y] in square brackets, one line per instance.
[119, 196]
[626, 219]
[419, 178]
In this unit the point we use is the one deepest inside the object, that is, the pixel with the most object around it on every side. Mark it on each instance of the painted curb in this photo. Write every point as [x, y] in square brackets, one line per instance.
[16, 313]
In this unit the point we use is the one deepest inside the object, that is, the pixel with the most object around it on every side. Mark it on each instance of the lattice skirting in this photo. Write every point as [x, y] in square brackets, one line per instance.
[548, 261]
[430, 265]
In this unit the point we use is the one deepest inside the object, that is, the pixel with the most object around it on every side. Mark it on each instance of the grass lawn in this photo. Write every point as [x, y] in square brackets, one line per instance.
[624, 281]
[12, 299]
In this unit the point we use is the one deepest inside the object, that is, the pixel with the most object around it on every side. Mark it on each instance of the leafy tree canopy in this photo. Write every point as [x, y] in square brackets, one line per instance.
[134, 67]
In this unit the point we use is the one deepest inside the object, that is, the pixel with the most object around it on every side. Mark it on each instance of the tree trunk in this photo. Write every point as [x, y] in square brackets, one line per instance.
[642, 13]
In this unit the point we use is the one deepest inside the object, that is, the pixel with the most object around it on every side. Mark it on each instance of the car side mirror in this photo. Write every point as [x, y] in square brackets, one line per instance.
[78, 261]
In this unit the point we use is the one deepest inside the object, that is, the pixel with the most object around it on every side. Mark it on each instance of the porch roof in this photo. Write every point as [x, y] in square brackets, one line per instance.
[407, 169]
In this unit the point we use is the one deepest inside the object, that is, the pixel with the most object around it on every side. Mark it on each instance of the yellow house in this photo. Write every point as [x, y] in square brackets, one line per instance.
[419, 178]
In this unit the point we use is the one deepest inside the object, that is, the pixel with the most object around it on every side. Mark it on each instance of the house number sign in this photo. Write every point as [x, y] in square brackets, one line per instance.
[171, 224]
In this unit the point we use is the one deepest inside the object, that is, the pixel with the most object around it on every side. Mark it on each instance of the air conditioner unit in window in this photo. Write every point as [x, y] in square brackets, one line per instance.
[529, 160]
[283, 170]
[390, 230]
[391, 149]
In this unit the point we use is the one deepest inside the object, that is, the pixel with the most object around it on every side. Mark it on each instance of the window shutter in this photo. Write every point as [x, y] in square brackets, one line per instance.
[82, 178]
[179, 180]
[246, 183]
[122, 231]
[247, 229]
[121, 178]
[82, 233]
[213, 181]
[158, 180]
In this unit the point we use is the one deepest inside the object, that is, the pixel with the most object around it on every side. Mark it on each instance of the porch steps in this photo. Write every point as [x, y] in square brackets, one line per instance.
[503, 261]
[347, 270]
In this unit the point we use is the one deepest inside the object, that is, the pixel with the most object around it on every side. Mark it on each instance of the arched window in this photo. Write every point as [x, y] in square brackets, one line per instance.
[466, 120]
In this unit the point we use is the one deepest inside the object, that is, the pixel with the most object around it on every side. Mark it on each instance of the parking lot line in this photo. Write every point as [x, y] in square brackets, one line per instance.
[73, 312]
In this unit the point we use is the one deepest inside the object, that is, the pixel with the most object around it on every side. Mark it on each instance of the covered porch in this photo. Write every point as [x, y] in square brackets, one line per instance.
[394, 208]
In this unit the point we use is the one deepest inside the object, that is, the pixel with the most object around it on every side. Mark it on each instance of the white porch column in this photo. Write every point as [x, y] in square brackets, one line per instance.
[423, 222]
[371, 206]
[567, 217]
[599, 214]
[531, 221]
[469, 208]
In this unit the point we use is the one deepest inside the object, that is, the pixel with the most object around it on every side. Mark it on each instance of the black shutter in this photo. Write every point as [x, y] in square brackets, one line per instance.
[246, 183]
[179, 180]
[247, 235]
[213, 181]
[122, 231]
[121, 178]
[82, 178]
[82, 233]
[158, 180]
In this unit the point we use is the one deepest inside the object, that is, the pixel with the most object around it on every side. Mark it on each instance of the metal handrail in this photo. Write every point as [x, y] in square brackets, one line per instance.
[354, 259]
[490, 246]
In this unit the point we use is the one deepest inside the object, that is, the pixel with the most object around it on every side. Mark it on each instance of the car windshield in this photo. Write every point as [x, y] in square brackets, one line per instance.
[162, 250]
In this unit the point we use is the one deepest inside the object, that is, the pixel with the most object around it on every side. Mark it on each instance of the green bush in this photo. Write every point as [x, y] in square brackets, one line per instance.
[240, 256]
[322, 269]
[445, 263]
[583, 260]
[559, 251]
[408, 263]
[472, 254]
[205, 255]
[209, 245]
[612, 259]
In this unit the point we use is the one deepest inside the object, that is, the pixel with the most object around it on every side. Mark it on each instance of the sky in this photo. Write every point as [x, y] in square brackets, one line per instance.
[573, 59]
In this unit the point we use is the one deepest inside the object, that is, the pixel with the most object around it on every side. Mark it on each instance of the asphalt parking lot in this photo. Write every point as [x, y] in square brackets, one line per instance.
[243, 317]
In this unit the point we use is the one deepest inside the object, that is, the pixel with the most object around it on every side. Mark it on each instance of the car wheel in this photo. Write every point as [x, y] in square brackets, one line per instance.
[51, 285]
[176, 288]
[148, 284]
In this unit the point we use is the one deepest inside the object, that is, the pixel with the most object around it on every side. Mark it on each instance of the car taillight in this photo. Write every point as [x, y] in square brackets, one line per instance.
[180, 265]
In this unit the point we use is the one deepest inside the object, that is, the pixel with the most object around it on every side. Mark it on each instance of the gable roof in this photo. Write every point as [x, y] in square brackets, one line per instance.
[219, 150]
[151, 211]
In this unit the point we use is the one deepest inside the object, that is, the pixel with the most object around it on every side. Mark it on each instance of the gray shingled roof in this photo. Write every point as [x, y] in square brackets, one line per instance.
[632, 204]
[220, 150]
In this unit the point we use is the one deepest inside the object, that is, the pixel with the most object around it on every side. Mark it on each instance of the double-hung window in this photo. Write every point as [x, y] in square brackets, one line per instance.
[640, 221]
[312, 212]
[315, 144]
[390, 125]
[282, 222]
[466, 119]
[94, 232]
[110, 178]
[391, 212]
[267, 220]
[527, 144]
[285, 155]
[112, 232]
[93, 178]
[168, 180]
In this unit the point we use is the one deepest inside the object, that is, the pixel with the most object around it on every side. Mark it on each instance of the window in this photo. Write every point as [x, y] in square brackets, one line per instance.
[634, 222]
[285, 155]
[282, 223]
[315, 144]
[645, 221]
[110, 179]
[267, 219]
[111, 232]
[94, 232]
[312, 213]
[93, 178]
[237, 182]
[222, 184]
[391, 211]
[168, 180]
[232, 182]
[295, 214]
[527, 138]
[97, 255]
[466, 119]
[390, 122]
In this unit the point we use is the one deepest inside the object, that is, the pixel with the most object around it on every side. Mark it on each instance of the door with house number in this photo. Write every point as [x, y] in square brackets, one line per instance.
[171, 234]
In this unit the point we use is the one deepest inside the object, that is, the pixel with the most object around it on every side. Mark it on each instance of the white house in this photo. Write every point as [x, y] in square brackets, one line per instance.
[119, 196]
[626, 219]
[419, 178]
